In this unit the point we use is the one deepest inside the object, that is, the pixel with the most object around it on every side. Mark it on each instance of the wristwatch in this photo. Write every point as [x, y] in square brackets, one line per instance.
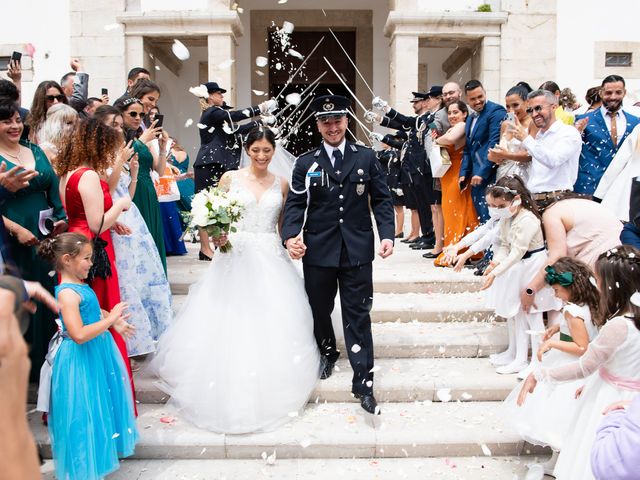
[529, 291]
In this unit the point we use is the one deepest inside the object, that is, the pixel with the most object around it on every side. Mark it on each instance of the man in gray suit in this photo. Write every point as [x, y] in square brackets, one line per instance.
[75, 85]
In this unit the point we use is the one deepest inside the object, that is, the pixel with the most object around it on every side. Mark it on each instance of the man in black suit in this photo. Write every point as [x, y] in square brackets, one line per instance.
[337, 186]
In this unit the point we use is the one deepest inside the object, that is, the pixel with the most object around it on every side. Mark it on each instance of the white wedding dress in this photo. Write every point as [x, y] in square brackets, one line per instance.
[241, 356]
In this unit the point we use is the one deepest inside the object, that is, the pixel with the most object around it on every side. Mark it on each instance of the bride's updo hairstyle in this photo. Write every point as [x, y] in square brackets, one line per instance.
[260, 133]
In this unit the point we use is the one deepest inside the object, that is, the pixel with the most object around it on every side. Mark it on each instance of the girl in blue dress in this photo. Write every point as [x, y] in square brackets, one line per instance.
[91, 420]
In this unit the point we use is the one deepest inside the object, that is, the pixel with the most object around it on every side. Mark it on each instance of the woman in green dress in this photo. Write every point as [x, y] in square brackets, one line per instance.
[180, 159]
[23, 215]
[151, 156]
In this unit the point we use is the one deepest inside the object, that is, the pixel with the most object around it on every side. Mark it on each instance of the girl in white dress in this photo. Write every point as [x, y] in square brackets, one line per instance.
[543, 419]
[612, 361]
[519, 253]
[241, 356]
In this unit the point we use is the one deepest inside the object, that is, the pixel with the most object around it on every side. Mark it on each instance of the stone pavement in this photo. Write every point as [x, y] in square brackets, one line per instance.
[440, 398]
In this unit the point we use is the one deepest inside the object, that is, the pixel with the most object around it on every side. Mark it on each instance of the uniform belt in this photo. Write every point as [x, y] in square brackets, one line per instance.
[530, 253]
[548, 195]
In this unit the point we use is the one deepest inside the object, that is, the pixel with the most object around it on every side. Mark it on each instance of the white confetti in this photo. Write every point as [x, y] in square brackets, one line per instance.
[593, 281]
[246, 112]
[227, 129]
[180, 50]
[282, 2]
[376, 411]
[635, 299]
[240, 10]
[278, 66]
[485, 449]
[52, 273]
[534, 332]
[271, 459]
[293, 98]
[369, 383]
[157, 67]
[199, 91]
[115, 435]
[441, 349]
[466, 396]
[535, 472]
[259, 73]
[259, 93]
[111, 26]
[188, 123]
[444, 394]
[306, 442]
[226, 64]
[375, 369]
[356, 348]
[211, 129]
[202, 451]
[262, 61]
[287, 27]
[201, 126]
[295, 53]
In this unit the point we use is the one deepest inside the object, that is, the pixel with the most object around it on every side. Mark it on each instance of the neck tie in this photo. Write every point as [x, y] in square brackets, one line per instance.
[337, 160]
[614, 127]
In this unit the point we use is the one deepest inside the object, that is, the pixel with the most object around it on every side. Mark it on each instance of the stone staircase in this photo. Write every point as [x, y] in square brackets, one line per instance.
[440, 398]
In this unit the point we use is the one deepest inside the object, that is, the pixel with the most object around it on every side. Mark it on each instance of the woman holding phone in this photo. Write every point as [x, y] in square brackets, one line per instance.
[150, 158]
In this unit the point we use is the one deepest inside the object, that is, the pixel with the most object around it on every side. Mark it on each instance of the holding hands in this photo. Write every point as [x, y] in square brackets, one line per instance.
[221, 240]
[296, 248]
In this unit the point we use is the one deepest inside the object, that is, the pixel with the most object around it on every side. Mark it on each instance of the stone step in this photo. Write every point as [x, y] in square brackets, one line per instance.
[475, 468]
[405, 272]
[423, 307]
[334, 430]
[398, 380]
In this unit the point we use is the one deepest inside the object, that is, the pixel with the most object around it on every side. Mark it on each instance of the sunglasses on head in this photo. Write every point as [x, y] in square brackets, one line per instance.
[537, 109]
[135, 114]
[51, 98]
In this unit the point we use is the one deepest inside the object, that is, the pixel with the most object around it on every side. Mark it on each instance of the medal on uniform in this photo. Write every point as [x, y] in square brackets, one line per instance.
[360, 188]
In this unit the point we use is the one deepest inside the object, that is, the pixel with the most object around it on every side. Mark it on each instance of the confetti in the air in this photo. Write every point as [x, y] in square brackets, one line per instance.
[287, 27]
[306, 442]
[226, 64]
[593, 281]
[259, 93]
[201, 126]
[180, 50]
[157, 67]
[188, 123]
[259, 73]
[444, 394]
[635, 299]
[296, 54]
[262, 62]
[282, 2]
[115, 435]
[355, 348]
[111, 26]
[485, 449]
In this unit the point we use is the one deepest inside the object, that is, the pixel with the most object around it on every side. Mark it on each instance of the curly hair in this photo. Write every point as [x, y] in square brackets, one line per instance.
[618, 270]
[38, 113]
[92, 144]
[581, 291]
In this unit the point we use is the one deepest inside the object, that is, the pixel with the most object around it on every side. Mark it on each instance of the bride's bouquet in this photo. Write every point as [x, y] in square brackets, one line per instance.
[215, 211]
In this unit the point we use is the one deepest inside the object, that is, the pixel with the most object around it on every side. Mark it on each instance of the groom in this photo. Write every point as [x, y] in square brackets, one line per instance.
[337, 185]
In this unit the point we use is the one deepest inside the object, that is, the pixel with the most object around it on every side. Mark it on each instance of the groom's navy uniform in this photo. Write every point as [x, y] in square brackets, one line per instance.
[338, 197]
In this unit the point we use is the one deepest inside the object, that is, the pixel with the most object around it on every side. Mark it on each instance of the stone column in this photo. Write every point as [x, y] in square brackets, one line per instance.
[486, 65]
[221, 60]
[134, 53]
[403, 71]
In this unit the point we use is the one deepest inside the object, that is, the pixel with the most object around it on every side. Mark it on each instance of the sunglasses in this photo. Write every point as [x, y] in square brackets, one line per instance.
[51, 98]
[537, 109]
[135, 114]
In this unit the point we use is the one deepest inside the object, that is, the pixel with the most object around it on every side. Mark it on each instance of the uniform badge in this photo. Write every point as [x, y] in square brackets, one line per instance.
[327, 107]
[360, 188]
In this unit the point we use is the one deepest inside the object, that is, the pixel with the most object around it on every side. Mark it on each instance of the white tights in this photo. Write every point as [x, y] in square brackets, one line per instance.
[514, 359]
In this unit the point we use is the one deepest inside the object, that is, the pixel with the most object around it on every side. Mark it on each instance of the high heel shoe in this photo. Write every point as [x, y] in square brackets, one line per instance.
[203, 257]
[400, 235]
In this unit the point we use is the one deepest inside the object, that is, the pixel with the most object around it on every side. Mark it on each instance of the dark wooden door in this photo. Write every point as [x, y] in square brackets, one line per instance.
[282, 65]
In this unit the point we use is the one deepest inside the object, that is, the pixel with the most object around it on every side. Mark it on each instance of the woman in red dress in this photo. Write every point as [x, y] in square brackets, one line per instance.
[87, 154]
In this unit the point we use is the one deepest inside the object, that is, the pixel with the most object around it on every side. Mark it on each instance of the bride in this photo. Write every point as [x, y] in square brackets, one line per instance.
[241, 356]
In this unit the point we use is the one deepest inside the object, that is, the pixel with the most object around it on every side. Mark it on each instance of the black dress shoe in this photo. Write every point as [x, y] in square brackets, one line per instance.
[431, 254]
[368, 403]
[326, 368]
[481, 266]
[400, 235]
[422, 245]
[203, 257]
[410, 240]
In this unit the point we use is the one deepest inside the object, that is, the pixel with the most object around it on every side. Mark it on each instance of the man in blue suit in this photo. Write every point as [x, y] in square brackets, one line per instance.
[483, 132]
[603, 132]
[327, 222]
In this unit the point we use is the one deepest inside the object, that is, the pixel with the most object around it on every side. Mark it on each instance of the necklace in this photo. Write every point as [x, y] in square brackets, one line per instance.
[15, 156]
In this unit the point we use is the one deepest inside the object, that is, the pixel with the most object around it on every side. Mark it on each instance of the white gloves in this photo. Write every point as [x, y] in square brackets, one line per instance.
[268, 120]
[268, 106]
[375, 137]
[380, 104]
[372, 117]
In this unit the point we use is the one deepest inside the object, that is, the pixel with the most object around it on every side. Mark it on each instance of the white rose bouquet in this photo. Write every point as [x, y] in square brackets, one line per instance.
[215, 211]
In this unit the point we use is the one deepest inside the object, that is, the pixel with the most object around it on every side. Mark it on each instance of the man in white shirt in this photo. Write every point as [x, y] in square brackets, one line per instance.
[555, 151]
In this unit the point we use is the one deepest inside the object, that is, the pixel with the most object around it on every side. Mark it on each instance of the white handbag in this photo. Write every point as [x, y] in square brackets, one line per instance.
[439, 160]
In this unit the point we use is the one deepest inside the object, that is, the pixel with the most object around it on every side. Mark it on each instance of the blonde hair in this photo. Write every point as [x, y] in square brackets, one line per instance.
[54, 129]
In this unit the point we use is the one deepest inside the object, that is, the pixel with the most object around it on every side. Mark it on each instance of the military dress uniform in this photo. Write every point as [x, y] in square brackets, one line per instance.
[417, 178]
[331, 203]
[219, 149]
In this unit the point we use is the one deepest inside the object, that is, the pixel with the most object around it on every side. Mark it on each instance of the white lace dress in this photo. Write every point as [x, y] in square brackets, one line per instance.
[544, 418]
[612, 363]
[241, 355]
